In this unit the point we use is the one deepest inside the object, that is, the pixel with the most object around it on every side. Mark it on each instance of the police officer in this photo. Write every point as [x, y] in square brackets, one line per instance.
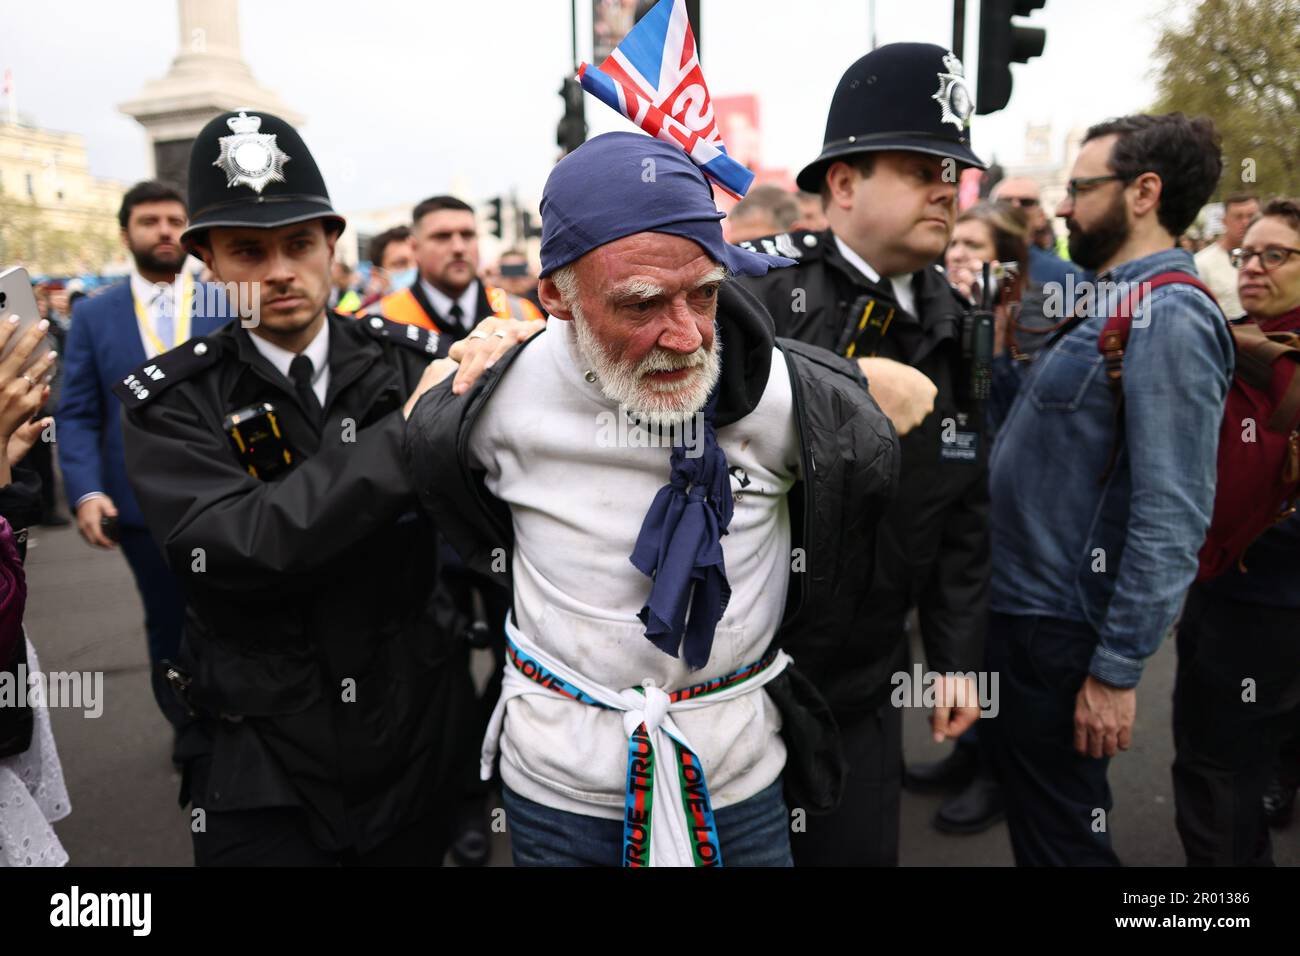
[869, 288]
[332, 710]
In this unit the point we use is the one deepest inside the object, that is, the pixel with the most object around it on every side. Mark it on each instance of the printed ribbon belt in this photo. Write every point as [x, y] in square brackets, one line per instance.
[667, 815]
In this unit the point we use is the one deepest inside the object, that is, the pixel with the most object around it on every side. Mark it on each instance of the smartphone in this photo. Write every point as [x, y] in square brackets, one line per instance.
[17, 298]
[108, 525]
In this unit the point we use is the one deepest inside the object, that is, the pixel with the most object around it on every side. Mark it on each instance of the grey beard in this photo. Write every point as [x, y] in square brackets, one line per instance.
[622, 385]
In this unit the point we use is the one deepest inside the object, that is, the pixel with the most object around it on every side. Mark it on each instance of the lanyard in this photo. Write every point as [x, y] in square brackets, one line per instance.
[183, 308]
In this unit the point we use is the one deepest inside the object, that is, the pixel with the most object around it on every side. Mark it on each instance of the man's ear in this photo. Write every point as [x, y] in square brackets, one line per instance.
[1146, 197]
[552, 301]
[841, 180]
[204, 251]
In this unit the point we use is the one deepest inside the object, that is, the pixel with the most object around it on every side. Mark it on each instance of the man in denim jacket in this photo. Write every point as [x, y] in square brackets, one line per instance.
[1090, 564]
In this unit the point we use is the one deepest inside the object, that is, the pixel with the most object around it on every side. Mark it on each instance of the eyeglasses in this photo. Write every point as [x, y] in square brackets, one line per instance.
[1269, 258]
[1022, 202]
[1076, 186]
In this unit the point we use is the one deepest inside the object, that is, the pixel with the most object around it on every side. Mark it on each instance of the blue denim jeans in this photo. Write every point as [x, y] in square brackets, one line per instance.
[754, 832]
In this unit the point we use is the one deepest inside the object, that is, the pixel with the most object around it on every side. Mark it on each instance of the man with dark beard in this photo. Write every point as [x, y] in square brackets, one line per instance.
[1102, 490]
[111, 334]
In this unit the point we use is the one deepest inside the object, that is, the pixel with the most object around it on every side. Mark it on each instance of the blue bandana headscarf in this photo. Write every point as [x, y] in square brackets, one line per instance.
[618, 185]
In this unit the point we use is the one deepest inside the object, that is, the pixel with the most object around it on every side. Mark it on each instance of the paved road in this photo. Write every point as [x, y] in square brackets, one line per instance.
[83, 614]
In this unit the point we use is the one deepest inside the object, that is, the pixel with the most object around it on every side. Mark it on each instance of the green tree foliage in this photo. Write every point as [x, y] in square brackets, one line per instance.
[28, 238]
[1238, 62]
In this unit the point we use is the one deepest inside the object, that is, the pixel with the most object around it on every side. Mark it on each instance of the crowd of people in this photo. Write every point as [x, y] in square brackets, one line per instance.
[843, 415]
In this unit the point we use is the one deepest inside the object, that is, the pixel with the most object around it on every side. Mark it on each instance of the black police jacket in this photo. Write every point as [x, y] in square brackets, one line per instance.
[849, 473]
[932, 552]
[319, 673]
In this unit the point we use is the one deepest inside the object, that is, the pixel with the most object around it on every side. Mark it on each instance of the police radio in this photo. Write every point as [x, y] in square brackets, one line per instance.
[978, 328]
[255, 434]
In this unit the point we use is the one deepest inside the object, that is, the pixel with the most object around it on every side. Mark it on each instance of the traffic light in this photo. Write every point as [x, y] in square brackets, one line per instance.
[1003, 42]
[573, 125]
[494, 218]
[528, 229]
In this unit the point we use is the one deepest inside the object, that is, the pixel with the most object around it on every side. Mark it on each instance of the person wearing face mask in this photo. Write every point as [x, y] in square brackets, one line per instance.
[1245, 623]
[392, 265]
[869, 287]
[448, 297]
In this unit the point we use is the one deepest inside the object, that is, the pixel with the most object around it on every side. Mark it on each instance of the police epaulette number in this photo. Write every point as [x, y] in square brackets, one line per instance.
[400, 333]
[160, 373]
[800, 244]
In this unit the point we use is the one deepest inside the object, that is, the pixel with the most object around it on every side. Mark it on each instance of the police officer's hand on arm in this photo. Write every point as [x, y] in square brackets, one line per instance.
[472, 355]
[903, 393]
[491, 339]
[21, 394]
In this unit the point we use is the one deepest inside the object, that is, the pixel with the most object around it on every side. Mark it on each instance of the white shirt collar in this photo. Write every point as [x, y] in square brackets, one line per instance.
[856, 260]
[318, 350]
[147, 292]
[902, 284]
[468, 301]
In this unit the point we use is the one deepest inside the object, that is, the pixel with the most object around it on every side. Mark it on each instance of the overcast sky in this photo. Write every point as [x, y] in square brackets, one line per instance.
[405, 99]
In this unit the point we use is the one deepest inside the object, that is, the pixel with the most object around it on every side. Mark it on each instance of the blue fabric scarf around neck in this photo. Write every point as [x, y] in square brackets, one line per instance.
[680, 548]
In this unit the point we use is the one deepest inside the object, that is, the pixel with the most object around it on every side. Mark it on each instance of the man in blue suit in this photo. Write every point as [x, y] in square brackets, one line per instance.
[111, 335]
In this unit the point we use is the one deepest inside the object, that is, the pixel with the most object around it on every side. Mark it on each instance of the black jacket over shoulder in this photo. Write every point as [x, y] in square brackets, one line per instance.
[932, 552]
[320, 675]
[849, 474]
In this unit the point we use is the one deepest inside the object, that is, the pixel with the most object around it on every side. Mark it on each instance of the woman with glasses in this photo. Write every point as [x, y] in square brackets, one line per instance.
[1237, 695]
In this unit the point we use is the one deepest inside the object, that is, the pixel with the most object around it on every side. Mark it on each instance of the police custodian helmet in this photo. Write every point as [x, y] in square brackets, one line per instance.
[252, 169]
[909, 96]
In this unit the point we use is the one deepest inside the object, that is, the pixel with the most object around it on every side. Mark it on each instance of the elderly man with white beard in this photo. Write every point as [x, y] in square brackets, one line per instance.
[668, 595]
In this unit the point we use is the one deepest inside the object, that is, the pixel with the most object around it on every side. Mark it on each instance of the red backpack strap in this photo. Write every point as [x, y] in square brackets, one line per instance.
[1114, 335]
[1114, 339]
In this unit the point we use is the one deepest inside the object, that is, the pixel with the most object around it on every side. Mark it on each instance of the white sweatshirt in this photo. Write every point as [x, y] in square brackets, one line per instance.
[577, 506]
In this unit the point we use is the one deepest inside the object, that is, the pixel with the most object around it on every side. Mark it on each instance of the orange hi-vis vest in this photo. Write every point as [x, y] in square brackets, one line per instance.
[402, 306]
